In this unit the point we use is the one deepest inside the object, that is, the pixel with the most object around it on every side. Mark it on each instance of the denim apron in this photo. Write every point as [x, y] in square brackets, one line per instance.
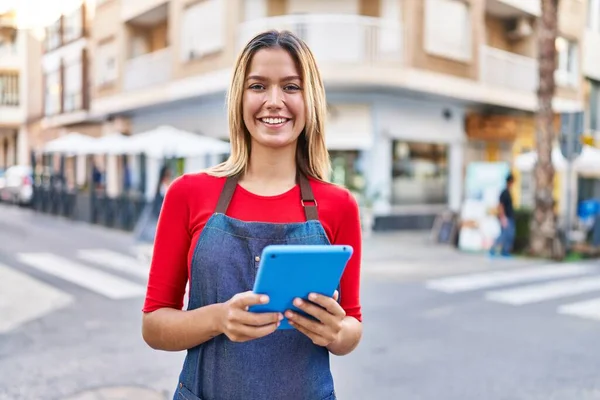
[282, 365]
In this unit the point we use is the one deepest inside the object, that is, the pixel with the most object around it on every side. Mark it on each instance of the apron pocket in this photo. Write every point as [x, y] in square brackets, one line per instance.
[184, 393]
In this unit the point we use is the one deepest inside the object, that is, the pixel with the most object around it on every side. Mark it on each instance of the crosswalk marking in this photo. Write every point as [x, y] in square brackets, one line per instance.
[23, 298]
[486, 280]
[545, 291]
[115, 261]
[105, 284]
[584, 309]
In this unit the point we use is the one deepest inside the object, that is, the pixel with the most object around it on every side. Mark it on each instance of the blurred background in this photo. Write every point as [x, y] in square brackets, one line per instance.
[431, 103]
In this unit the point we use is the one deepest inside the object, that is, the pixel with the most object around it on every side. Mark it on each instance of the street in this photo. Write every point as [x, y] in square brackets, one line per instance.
[438, 324]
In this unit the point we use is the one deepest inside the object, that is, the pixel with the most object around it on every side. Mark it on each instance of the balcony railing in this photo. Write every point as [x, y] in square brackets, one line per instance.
[148, 70]
[11, 114]
[349, 39]
[9, 57]
[131, 9]
[509, 70]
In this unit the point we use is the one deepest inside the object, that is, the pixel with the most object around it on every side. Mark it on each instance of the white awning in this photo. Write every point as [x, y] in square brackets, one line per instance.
[526, 162]
[73, 143]
[166, 141]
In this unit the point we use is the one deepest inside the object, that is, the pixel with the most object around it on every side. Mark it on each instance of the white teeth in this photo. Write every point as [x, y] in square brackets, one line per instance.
[273, 121]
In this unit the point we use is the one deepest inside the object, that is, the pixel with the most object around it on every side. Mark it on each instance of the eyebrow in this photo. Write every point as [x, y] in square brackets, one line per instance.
[262, 78]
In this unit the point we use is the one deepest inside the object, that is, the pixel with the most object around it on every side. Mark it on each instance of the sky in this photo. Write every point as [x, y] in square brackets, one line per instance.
[33, 14]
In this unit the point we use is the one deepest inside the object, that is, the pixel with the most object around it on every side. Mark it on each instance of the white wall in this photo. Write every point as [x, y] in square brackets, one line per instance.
[255, 9]
[349, 127]
[208, 119]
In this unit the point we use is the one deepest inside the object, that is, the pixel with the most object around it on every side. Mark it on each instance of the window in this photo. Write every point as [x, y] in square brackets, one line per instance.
[106, 63]
[345, 169]
[202, 29]
[9, 89]
[52, 92]
[593, 14]
[419, 173]
[595, 106]
[448, 29]
[73, 87]
[53, 39]
[73, 26]
[567, 62]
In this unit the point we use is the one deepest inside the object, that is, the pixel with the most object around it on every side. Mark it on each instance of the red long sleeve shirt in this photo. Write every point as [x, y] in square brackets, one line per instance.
[192, 199]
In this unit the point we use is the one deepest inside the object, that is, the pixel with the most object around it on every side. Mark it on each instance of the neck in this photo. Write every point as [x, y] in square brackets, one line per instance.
[270, 167]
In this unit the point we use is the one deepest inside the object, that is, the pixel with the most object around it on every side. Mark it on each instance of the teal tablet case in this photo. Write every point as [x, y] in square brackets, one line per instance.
[289, 271]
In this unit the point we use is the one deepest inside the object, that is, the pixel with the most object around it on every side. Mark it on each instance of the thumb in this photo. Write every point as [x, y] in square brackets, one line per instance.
[336, 295]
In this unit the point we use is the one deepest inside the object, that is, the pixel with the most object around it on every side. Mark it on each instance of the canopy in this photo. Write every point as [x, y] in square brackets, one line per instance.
[526, 162]
[589, 161]
[167, 141]
[111, 144]
[71, 143]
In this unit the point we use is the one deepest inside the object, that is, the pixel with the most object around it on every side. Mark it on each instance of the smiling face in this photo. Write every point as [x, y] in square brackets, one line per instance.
[273, 103]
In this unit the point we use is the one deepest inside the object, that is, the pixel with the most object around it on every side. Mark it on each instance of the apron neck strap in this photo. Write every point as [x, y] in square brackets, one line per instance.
[308, 199]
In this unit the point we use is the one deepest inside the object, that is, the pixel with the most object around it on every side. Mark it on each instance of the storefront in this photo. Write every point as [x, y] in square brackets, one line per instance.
[415, 164]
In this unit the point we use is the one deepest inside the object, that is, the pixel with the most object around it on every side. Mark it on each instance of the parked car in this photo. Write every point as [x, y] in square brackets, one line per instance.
[18, 185]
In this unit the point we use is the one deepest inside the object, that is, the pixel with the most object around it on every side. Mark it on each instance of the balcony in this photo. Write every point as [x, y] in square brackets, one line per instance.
[337, 39]
[9, 57]
[591, 54]
[148, 70]
[143, 11]
[508, 70]
[11, 115]
[514, 8]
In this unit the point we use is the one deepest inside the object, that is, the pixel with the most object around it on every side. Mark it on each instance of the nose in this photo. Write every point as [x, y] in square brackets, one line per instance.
[274, 99]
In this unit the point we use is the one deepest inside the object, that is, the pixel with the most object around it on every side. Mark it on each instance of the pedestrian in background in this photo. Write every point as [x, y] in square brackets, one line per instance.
[214, 225]
[506, 215]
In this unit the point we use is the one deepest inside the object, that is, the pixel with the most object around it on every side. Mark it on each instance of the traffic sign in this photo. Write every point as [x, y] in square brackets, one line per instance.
[571, 131]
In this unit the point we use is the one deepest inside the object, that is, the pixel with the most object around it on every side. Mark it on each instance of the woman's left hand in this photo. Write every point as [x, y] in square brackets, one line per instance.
[330, 317]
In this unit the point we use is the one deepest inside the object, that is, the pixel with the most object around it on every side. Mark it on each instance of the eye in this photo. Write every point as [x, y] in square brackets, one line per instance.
[291, 88]
[256, 86]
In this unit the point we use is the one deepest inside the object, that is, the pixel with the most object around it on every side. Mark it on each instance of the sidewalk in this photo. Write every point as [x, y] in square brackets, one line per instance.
[412, 255]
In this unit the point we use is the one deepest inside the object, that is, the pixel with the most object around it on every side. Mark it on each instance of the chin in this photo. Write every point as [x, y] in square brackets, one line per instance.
[276, 141]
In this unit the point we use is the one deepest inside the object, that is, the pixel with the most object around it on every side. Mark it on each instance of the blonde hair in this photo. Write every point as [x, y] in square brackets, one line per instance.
[312, 158]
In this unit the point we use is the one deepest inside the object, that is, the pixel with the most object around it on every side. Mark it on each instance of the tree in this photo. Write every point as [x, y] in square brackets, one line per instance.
[543, 229]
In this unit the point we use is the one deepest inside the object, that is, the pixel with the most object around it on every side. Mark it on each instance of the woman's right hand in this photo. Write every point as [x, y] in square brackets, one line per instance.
[240, 325]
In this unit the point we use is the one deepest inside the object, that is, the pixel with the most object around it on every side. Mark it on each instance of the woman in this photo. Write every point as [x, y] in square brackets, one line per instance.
[214, 226]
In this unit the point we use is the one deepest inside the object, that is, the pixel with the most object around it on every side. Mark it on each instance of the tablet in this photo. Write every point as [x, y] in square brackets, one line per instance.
[289, 271]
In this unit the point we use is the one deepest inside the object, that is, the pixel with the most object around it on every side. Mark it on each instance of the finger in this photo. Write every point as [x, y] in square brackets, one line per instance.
[315, 310]
[315, 327]
[246, 299]
[253, 332]
[328, 303]
[315, 338]
[336, 295]
[257, 319]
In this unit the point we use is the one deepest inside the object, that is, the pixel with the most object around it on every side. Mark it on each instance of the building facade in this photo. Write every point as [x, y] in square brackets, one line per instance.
[19, 78]
[66, 77]
[416, 88]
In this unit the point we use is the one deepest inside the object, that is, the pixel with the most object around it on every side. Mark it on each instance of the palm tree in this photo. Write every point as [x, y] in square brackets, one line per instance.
[543, 232]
